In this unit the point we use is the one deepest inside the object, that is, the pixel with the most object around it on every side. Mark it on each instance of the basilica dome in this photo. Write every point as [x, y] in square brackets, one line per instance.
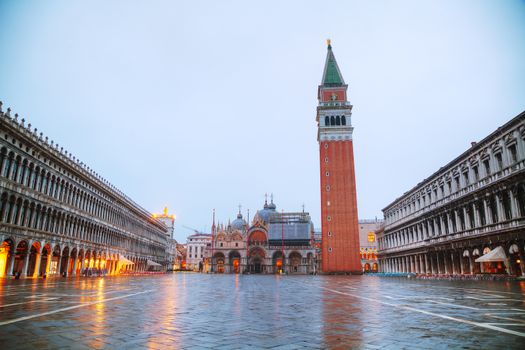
[265, 213]
[239, 223]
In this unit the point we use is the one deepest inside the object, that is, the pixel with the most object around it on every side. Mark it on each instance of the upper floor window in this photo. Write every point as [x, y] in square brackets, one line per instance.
[326, 120]
[465, 178]
[513, 153]
[486, 164]
[476, 173]
[499, 160]
[456, 179]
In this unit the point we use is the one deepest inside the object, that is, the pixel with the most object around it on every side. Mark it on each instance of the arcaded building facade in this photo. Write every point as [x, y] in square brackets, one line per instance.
[466, 218]
[368, 244]
[57, 216]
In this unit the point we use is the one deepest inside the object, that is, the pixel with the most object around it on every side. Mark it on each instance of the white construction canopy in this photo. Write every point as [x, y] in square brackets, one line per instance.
[153, 263]
[125, 261]
[497, 254]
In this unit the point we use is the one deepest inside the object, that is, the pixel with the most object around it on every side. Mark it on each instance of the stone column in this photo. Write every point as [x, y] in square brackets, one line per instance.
[521, 254]
[26, 262]
[434, 226]
[37, 262]
[68, 259]
[461, 260]
[475, 211]
[514, 207]
[82, 260]
[438, 267]
[449, 222]
[488, 212]
[427, 266]
[445, 261]
[499, 207]
[452, 262]
[466, 217]
[12, 257]
[59, 263]
[481, 265]
[48, 262]
[471, 262]
[441, 226]
[75, 262]
[458, 224]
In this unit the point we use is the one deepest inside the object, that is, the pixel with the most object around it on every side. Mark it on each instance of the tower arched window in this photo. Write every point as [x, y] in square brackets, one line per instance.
[326, 120]
[332, 120]
[343, 120]
[337, 120]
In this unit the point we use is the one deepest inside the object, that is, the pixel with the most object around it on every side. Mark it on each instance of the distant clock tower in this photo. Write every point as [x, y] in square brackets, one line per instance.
[340, 231]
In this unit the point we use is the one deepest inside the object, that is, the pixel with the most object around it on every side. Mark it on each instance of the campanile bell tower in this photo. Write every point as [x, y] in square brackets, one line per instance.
[340, 231]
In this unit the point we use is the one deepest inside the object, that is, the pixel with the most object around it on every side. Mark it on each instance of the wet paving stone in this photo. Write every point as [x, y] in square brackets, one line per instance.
[199, 311]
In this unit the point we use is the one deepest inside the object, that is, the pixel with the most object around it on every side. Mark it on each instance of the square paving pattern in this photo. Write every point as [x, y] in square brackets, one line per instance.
[200, 311]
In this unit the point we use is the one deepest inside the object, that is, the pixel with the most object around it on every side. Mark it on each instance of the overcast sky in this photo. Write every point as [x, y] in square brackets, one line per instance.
[198, 105]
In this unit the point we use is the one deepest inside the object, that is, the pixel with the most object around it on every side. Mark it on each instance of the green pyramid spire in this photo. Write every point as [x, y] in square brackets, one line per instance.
[331, 75]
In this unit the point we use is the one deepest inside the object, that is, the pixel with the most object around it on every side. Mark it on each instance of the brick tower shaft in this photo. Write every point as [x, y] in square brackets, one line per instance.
[340, 231]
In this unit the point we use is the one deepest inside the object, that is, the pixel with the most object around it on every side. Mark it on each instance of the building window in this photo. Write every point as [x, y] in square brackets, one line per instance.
[332, 120]
[329, 218]
[499, 160]
[465, 178]
[513, 154]
[476, 173]
[236, 244]
[326, 121]
[329, 249]
[329, 233]
[457, 183]
[327, 188]
[327, 174]
[343, 120]
[326, 159]
[486, 164]
[326, 145]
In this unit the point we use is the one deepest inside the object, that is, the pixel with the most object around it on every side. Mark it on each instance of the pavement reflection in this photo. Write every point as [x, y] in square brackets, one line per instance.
[240, 311]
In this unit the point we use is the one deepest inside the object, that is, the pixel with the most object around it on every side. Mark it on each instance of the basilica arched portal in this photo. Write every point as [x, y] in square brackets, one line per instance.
[256, 259]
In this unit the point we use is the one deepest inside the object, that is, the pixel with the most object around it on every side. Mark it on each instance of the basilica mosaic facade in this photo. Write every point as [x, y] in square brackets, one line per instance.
[274, 242]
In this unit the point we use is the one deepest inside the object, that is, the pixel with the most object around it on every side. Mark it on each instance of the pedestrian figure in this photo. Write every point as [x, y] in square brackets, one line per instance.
[44, 276]
[17, 275]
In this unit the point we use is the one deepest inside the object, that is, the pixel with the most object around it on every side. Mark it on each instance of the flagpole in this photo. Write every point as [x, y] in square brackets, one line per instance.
[212, 239]
[282, 238]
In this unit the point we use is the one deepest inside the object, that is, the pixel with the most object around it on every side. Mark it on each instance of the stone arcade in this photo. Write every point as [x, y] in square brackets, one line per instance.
[473, 205]
[57, 216]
